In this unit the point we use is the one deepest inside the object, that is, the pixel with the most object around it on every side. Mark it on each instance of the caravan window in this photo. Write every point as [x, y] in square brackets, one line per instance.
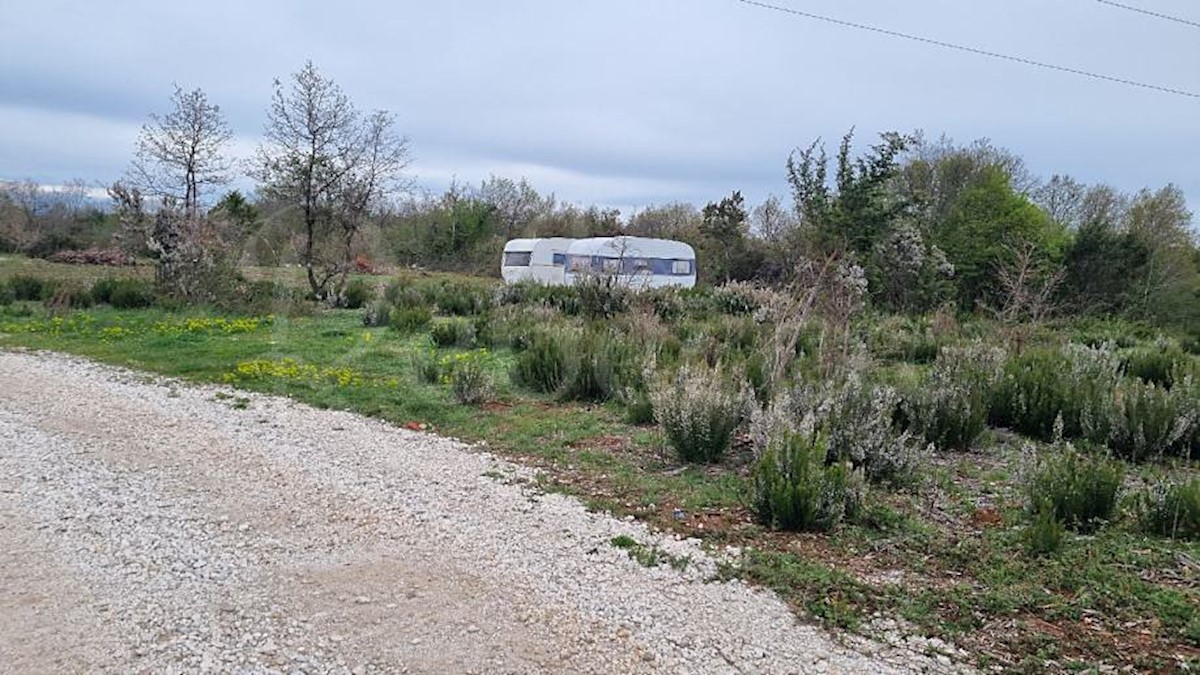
[579, 263]
[637, 266]
[517, 258]
[681, 267]
[560, 259]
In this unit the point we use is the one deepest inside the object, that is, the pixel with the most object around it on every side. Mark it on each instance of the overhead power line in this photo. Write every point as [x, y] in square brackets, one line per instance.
[1157, 15]
[972, 50]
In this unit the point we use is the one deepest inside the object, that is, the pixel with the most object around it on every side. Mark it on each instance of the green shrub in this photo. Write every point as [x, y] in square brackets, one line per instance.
[792, 487]
[125, 293]
[639, 409]
[736, 334]
[1045, 535]
[1191, 345]
[543, 365]
[70, 297]
[951, 409]
[27, 287]
[1075, 383]
[403, 293]
[408, 320]
[377, 313]
[427, 367]
[666, 303]
[1079, 489]
[899, 338]
[471, 383]
[600, 365]
[266, 297]
[601, 296]
[1160, 365]
[487, 333]
[356, 294]
[562, 298]
[7, 296]
[455, 332]
[1149, 421]
[461, 299]
[1171, 509]
[734, 298]
[699, 413]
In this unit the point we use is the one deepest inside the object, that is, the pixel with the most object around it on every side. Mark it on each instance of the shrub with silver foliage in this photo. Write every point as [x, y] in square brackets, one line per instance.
[858, 423]
[699, 411]
[951, 409]
[471, 383]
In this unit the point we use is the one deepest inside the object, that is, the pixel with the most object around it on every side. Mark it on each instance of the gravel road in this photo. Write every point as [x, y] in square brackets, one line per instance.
[153, 526]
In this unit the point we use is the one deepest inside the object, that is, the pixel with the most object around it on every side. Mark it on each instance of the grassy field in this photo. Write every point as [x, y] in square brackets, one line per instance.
[948, 555]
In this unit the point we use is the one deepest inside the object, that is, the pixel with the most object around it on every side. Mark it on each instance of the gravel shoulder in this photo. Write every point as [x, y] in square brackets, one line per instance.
[146, 525]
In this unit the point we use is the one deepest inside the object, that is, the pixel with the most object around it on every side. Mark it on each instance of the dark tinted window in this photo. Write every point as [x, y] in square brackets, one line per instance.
[517, 258]
[608, 265]
[560, 258]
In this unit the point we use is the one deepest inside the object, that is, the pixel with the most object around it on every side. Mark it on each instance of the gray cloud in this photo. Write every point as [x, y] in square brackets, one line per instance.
[621, 102]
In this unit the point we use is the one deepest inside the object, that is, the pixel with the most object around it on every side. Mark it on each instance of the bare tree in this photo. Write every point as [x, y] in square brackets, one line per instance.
[1062, 199]
[516, 204]
[1026, 284]
[181, 155]
[322, 157]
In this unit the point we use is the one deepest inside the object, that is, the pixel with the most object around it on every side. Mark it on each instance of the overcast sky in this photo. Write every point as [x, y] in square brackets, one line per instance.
[616, 102]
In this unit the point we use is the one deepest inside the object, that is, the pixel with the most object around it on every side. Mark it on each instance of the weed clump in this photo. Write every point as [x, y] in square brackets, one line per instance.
[601, 296]
[376, 313]
[699, 413]
[426, 367]
[460, 299]
[1045, 535]
[601, 366]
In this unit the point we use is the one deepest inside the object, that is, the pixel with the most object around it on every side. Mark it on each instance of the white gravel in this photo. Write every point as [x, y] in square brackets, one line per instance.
[149, 526]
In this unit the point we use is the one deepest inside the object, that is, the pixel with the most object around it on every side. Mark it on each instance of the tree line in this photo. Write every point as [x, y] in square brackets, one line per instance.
[929, 222]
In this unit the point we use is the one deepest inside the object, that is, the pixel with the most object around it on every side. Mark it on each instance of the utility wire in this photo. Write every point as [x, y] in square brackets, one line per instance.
[972, 50]
[1157, 15]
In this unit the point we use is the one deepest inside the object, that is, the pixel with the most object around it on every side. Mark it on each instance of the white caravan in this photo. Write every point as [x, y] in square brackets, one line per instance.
[540, 260]
[638, 262]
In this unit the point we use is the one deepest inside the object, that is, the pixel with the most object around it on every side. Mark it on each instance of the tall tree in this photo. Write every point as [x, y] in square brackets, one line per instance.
[855, 215]
[987, 219]
[724, 226]
[181, 155]
[1161, 223]
[333, 165]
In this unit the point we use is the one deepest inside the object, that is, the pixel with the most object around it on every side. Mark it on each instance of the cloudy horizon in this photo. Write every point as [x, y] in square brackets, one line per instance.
[619, 103]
